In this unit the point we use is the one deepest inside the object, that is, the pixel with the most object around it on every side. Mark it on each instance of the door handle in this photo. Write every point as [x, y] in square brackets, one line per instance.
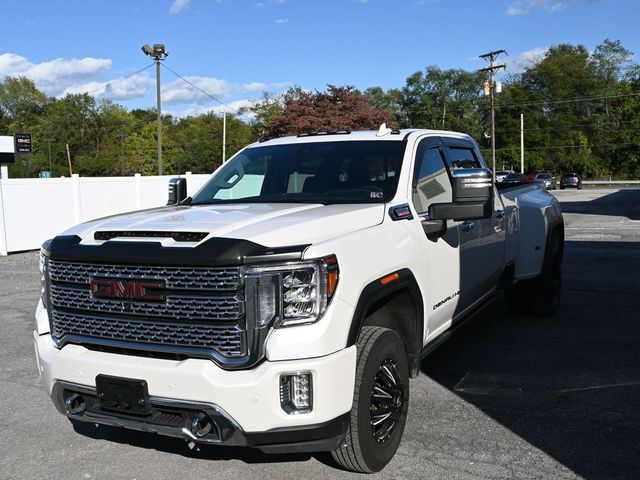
[467, 226]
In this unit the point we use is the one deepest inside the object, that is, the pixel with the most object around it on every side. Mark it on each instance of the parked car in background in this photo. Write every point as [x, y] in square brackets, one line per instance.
[514, 178]
[570, 180]
[502, 174]
[548, 179]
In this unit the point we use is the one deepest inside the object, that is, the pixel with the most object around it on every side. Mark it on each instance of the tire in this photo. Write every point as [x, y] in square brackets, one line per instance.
[368, 448]
[541, 295]
[546, 290]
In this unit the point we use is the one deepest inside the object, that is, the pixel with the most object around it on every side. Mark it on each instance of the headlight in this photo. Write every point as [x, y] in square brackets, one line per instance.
[294, 293]
[44, 266]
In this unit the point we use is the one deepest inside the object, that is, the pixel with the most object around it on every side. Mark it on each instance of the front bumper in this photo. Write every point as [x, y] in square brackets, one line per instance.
[248, 400]
[175, 418]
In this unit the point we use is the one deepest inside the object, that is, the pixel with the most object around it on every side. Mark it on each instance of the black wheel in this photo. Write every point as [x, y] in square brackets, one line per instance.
[380, 402]
[540, 295]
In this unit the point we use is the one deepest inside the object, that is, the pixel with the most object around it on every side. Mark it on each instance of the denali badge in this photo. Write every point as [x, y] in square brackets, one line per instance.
[127, 289]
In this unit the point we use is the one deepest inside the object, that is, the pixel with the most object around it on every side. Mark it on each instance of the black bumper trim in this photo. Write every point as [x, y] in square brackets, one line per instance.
[227, 432]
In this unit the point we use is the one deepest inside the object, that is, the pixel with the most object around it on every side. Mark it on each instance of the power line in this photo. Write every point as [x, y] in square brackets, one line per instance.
[565, 100]
[560, 147]
[206, 93]
[595, 123]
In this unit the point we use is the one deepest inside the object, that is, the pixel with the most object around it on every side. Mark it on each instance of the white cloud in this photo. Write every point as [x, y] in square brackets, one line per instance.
[55, 76]
[525, 7]
[526, 59]
[180, 91]
[60, 77]
[231, 108]
[178, 5]
[121, 88]
[281, 21]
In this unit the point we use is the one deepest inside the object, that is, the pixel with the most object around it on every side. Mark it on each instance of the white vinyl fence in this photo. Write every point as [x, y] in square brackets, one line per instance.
[35, 209]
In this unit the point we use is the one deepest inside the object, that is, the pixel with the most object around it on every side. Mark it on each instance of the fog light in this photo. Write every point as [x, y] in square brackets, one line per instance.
[296, 392]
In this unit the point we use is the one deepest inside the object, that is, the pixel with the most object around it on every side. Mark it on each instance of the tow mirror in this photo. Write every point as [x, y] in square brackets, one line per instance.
[472, 196]
[472, 185]
[177, 190]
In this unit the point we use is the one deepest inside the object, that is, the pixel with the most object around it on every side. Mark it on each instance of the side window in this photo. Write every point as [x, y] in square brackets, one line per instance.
[433, 184]
[461, 157]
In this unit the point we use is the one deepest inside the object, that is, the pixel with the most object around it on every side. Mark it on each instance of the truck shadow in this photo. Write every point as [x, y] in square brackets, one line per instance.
[181, 447]
[568, 385]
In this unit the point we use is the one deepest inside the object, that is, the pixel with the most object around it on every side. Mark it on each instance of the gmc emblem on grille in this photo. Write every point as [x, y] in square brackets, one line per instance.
[143, 290]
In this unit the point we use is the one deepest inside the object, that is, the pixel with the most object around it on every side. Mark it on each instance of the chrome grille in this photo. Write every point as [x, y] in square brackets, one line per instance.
[190, 278]
[203, 313]
[224, 338]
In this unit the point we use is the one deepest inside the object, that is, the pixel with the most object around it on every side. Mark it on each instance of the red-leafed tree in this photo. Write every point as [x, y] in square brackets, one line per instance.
[339, 108]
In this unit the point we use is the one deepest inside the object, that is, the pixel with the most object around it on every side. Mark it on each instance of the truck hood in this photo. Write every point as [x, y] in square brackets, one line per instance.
[268, 224]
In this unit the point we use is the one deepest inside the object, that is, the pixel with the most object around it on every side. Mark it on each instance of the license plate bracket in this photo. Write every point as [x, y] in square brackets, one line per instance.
[123, 395]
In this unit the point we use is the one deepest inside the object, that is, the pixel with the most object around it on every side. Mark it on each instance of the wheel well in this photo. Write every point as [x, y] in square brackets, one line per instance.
[398, 306]
[396, 312]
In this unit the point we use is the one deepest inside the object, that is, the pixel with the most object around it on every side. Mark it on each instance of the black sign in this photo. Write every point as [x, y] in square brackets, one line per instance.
[23, 142]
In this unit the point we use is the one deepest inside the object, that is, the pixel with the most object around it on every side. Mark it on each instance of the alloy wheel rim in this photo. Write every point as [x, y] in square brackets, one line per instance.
[387, 401]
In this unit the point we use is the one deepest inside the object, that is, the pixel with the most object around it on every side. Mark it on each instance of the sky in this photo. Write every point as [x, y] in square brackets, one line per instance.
[235, 50]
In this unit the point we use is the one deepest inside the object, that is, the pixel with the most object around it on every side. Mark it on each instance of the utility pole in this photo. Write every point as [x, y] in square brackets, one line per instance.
[49, 140]
[69, 160]
[521, 142]
[121, 137]
[224, 136]
[157, 52]
[491, 87]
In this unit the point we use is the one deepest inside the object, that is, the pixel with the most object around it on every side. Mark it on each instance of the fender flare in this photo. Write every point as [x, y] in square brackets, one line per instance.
[375, 292]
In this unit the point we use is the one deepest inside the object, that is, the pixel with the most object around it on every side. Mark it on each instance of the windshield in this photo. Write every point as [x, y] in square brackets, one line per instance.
[514, 176]
[544, 175]
[322, 172]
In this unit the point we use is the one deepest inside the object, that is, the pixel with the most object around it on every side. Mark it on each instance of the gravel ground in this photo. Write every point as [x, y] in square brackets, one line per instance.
[507, 397]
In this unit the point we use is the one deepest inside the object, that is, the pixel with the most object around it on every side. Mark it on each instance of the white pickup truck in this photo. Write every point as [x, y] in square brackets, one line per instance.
[288, 302]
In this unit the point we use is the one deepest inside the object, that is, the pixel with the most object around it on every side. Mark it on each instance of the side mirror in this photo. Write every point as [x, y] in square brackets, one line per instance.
[472, 196]
[472, 185]
[177, 190]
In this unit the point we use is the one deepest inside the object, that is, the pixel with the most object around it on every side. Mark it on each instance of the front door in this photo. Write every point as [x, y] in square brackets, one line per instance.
[441, 260]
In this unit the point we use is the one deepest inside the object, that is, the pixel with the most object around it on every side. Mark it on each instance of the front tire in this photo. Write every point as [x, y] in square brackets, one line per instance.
[380, 402]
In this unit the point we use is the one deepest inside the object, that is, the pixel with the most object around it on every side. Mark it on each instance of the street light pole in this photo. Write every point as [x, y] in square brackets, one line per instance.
[157, 52]
[491, 56]
[159, 116]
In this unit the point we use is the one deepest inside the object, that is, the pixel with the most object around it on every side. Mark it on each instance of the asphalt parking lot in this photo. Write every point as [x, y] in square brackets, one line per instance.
[508, 397]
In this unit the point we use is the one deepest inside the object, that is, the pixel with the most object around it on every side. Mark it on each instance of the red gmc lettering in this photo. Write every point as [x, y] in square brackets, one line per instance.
[132, 290]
